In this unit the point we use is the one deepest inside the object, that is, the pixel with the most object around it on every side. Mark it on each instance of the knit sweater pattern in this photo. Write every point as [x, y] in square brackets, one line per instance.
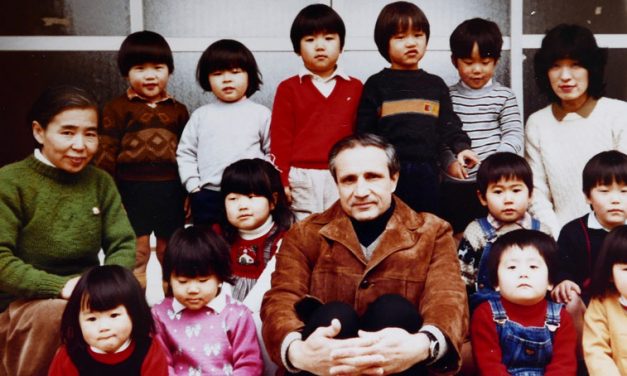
[579, 248]
[52, 225]
[249, 259]
[413, 111]
[472, 245]
[305, 124]
[218, 134]
[209, 341]
[491, 119]
[138, 140]
[557, 151]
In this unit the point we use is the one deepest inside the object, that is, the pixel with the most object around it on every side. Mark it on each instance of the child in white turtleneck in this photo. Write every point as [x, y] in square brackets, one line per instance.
[257, 216]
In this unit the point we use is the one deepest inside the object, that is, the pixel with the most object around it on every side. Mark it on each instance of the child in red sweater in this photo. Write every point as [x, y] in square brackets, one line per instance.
[522, 332]
[107, 328]
[313, 110]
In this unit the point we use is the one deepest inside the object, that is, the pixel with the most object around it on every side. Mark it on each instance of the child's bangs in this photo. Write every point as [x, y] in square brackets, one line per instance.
[189, 266]
[101, 298]
[411, 23]
[246, 178]
[225, 59]
[621, 255]
[508, 174]
[150, 54]
[613, 174]
[321, 25]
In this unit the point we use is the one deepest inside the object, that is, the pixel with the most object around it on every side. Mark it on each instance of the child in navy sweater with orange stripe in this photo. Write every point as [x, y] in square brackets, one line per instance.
[411, 108]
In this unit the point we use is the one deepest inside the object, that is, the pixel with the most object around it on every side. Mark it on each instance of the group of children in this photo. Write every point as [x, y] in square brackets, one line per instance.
[247, 172]
[518, 277]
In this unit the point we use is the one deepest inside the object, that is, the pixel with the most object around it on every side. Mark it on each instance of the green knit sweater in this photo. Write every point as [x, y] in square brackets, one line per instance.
[52, 225]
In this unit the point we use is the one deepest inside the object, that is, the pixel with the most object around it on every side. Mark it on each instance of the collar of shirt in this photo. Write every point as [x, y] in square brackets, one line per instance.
[124, 346]
[324, 85]
[257, 232]
[524, 222]
[338, 72]
[593, 222]
[216, 304]
[133, 95]
[583, 112]
[40, 157]
[489, 83]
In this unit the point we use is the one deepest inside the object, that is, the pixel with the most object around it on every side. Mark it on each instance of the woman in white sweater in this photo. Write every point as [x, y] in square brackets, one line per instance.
[578, 124]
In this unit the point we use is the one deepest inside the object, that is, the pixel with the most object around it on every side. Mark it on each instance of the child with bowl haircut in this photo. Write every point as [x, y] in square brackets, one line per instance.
[139, 134]
[521, 332]
[605, 187]
[488, 111]
[411, 108]
[231, 128]
[313, 110]
[201, 327]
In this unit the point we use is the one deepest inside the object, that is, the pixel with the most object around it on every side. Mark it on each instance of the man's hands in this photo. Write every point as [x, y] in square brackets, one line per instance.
[314, 354]
[563, 293]
[392, 350]
[387, 351]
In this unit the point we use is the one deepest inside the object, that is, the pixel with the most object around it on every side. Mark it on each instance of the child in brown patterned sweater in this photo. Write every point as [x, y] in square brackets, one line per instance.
[139, 135]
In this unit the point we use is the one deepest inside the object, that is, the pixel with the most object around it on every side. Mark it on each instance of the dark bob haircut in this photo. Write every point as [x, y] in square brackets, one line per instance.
[545, 244]
[197, 251]
[364, 140]
[476, 30]
[604, 168]
[100, 289]
[228, 54]
[57, 99]
[398, 17]
[570, 42]
[144, 47]
[503, 165]
[613, 251]
[258, 177]
[314, 19]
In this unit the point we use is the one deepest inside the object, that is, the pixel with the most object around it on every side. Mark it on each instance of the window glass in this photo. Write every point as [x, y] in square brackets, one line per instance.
[65, 17]
[235, 18]
[443, 15]
[600, 16]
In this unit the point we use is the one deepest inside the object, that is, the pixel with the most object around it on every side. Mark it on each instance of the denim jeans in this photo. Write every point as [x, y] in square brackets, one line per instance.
[526, 350]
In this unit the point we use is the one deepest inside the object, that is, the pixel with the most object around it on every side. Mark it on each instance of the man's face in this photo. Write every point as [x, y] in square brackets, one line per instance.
[364, 182]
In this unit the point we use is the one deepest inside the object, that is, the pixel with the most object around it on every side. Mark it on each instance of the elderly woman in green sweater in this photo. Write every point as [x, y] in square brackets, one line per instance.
[56, 213]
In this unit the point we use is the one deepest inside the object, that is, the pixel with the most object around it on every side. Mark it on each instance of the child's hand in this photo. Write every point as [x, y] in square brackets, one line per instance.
[69, 287]
[562, 293]
[288, 194]
[187, 208]
[468, 159]
[456, 170]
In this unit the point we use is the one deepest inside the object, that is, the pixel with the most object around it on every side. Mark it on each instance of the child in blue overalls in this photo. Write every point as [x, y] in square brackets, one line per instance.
[505, 187]
[521, 332]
